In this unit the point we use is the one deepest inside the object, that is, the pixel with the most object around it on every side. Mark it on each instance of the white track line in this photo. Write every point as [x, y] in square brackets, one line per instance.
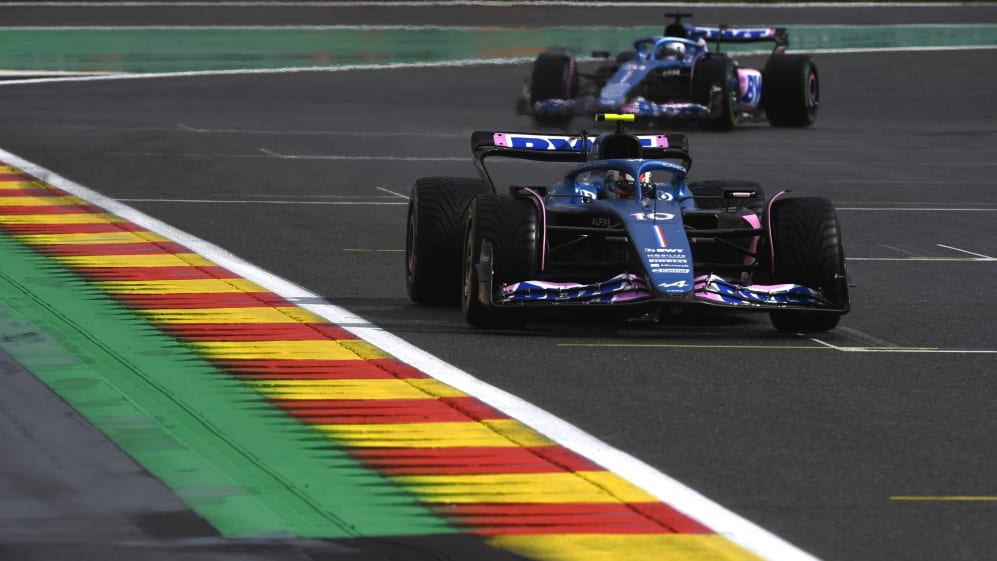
[980, 255]
[360, 158]
[499, 4]
[263, 202]
[741, 531]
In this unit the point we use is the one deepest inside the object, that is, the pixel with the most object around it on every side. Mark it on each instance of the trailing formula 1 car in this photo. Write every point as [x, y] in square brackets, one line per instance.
[622, 229]
[676, 76]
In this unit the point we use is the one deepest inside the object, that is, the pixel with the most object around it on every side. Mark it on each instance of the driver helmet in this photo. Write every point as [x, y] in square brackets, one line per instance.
[621, 185]
[671, 50]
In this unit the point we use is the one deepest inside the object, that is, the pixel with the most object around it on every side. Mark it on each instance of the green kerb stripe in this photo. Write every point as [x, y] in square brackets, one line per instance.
[236, 459]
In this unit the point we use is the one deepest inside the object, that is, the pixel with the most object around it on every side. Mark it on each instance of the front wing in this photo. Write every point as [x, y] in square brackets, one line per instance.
[640, 106]
[629, 288]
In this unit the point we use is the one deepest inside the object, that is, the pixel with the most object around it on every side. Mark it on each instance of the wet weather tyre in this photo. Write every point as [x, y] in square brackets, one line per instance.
[434, 240]
[709, 194]
[501, 240]
[714, 84]
[790, 90]
[554, 76]
[806, 249]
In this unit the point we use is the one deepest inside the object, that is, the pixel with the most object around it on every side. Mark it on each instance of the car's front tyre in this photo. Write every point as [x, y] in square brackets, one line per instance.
[435, 237]
[714, 84]
[554, 76]
[806, 249]
[501, 242]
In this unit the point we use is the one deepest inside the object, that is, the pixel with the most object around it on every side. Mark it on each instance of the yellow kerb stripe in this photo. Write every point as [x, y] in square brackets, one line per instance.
[287, 314]
[387, 388]
[84, 218]
[18, 184]
[537, 488]
[297, 350]
[41, 201]
[632, 547]
[152, 260]
[94, 238]
[510, 434]
[195, 286]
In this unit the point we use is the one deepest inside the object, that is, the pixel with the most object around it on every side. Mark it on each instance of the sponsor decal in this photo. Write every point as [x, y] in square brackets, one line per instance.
[562, 143]
[750, 84]
[667, 260]
[746, 33]
[653, 216]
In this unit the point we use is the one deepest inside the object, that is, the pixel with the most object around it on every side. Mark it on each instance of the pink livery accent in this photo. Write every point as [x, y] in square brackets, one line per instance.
[543, 226]
[749, 88]
[768, 227]
[658, 140]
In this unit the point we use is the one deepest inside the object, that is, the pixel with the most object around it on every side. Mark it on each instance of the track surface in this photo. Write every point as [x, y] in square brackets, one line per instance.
[814, 443]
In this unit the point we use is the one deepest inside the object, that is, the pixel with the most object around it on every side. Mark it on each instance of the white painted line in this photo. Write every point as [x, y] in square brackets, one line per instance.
[920, 351]
[980, 255]
[939, 259]
[917, 209]
[819, 342]
[261, 202]
[889, 349]
[868, 339]
[741, 531]
[901, 250]
[289, 70]
[495, 3]
[361, 158]
[389, 191]
[290, 132]
[176, 155]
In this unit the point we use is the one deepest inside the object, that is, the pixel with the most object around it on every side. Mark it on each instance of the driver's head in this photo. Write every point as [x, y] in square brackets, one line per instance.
[672, 50]
[620, 185]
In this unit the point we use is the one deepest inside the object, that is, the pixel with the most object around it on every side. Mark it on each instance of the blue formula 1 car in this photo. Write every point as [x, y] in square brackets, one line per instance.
[676, 76]
[622, 229]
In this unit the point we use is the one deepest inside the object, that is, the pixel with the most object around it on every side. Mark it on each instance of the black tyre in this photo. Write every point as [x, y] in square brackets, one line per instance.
[435, 237]
[709, 194]
[806, 249]
[501, 234]
[790, 91]
[554, 76]
[716, 74]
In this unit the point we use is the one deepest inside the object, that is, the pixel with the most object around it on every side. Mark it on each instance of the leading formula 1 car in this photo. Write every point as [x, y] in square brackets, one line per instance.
[677, 76]
[622, 228]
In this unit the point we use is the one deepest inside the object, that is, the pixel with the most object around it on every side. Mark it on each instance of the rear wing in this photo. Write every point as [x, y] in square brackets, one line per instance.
[568, 148]
[724, 34]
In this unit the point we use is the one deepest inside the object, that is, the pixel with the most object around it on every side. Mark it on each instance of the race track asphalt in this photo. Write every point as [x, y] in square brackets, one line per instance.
[842, 445]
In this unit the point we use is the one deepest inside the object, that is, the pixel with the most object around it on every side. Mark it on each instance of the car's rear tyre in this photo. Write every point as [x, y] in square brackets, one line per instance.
[806, 249]
[709, 194]
[501, 234]
[790, 90]
[435, 237]
[554, 76]
[716, 73]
